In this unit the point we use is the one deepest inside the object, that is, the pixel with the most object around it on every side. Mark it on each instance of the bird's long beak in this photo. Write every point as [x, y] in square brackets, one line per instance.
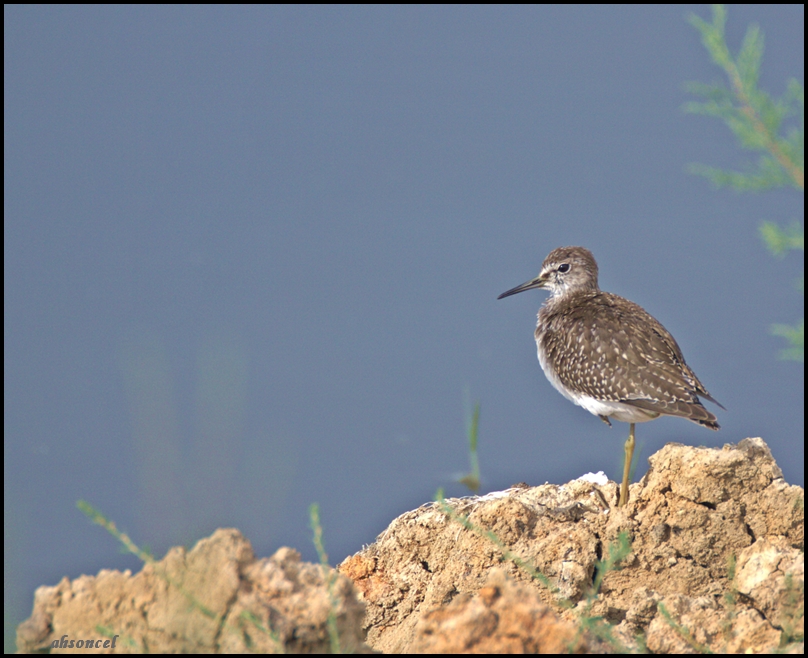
[538, 282]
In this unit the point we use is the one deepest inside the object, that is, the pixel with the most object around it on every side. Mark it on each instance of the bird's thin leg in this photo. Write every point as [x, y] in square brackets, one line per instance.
[627, 466]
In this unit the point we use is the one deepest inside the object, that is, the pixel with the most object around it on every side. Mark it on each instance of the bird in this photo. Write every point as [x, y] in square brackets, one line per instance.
[608, 354]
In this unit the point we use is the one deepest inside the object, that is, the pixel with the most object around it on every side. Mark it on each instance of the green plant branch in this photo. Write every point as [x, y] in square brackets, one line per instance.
[756, 118]
[329, 576]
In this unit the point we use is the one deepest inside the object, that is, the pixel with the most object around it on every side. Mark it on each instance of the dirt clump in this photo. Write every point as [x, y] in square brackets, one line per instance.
[716, 558]
[706, 556]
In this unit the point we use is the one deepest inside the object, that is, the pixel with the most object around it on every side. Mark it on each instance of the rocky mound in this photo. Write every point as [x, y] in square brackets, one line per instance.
[707, 556]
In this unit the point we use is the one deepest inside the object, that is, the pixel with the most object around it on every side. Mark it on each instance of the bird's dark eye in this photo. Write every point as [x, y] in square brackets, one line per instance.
[564, 267]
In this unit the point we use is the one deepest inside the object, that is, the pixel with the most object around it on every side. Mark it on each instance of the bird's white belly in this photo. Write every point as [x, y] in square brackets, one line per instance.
[625, 413]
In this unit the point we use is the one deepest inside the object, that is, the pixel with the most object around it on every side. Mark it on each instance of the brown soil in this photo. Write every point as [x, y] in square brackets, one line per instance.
[713, 561]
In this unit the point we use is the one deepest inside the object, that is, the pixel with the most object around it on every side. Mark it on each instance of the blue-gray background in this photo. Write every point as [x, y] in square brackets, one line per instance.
[252, 256]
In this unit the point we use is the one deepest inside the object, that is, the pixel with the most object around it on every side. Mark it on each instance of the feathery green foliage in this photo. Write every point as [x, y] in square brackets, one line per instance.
[775, 128]
[756, 118]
